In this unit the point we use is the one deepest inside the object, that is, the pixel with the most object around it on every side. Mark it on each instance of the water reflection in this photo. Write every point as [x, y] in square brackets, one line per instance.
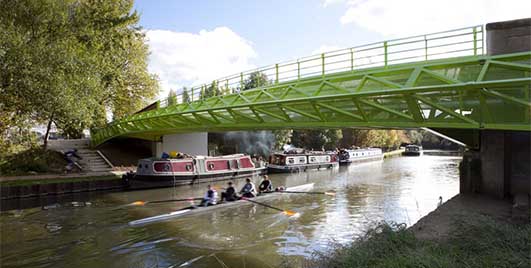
[67, 234]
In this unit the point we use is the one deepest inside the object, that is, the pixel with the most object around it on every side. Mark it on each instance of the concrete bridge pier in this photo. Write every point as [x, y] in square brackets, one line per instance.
[501, 166]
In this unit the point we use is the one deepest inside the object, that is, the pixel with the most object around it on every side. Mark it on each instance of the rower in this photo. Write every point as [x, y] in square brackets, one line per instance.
[248, 190]
[210, 197]
[229, 194]
[265, 186]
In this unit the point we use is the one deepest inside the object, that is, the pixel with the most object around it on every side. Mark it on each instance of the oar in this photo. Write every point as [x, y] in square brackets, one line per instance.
[287, 212]
[297, 192]
[141, 203]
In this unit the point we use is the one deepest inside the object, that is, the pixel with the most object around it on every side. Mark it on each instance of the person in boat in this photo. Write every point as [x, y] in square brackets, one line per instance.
[210, 198]
[280, 189]
[265, 186]
[248, 190]
[229, 194]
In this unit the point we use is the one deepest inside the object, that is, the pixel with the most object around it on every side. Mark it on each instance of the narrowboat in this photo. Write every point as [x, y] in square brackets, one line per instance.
[300, 160]
[167, 172]
[347, 156]
[412, 150]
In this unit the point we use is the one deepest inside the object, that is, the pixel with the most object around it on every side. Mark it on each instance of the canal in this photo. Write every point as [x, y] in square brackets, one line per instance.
[93, 231]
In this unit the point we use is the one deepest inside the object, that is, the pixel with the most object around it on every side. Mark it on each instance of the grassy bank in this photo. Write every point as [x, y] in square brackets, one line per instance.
[32, 161]
[474, 241]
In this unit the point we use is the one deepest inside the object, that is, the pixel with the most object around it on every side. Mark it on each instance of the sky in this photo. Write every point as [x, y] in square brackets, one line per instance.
[197, 41]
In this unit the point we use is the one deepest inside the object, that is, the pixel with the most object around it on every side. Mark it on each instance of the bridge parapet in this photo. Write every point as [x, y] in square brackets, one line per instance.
[469, 92]
[467, 41]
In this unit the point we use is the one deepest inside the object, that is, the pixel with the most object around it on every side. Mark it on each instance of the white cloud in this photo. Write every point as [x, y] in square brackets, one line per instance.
[414, 17]
[325, 48]
[183, 59]
[331, 2]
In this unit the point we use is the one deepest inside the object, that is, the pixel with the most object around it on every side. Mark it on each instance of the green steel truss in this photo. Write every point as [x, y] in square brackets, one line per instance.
[475, 92]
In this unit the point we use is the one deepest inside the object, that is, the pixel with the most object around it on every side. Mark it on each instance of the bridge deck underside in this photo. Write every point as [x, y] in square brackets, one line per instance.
[478, 92]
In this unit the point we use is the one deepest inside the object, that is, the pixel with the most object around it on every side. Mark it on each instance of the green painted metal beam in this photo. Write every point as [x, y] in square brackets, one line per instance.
[475, 92]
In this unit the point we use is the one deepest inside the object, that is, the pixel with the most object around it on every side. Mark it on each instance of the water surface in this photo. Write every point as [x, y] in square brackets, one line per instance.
[93, 232]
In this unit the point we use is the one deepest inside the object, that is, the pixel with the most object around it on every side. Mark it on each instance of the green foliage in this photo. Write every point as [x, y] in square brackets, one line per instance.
[69, 61]
[476, 242]
[415, 136]
[34, 160]
[390, 139]
[172, 98]
[210, 91]
[282, 137]
[255, 80]
[185, 96]
[317, 139]
[17, 139]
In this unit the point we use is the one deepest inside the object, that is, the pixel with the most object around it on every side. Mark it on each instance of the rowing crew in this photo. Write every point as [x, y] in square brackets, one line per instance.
[247, 191]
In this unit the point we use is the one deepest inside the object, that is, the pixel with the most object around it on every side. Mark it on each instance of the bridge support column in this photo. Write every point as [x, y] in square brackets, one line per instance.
[501, 166]
[188, 143]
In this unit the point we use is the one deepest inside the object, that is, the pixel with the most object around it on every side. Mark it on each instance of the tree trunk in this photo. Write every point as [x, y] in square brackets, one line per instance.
[47, 132]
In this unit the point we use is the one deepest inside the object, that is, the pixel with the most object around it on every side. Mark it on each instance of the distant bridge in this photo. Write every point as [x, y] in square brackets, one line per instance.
[442, 80]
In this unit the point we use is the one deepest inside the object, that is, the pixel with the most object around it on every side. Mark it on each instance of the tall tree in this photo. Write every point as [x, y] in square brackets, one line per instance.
[68, 62]
[185, 97]
[210, 91]
[255, 80]
[172, 98]
[316, 139]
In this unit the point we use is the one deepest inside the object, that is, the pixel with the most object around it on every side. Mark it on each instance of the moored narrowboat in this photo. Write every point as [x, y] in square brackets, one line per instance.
[167, 172]
[347, 156]
[300, 160]
[412, 150]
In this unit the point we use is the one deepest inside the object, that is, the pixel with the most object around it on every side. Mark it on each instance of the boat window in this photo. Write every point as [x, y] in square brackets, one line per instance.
[211, 166]
[188, 167]
[139, 166]
[302, 159]
[145, 166]
[291, 160]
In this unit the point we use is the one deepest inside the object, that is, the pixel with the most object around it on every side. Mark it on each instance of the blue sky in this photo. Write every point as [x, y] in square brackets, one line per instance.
[279, 30]
[195, 42]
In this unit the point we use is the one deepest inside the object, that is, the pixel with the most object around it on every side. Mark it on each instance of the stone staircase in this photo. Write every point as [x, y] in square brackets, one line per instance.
[92, 160]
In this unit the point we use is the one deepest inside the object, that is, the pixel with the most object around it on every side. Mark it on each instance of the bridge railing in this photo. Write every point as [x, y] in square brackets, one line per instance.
[454, 43]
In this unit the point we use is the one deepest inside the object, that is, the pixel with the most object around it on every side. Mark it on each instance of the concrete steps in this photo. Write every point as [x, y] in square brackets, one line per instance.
[92, 160]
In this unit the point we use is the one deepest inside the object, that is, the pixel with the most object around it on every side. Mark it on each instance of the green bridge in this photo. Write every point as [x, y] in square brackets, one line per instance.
[442, 81]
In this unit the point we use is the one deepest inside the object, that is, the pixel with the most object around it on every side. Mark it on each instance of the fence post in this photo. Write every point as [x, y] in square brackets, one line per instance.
[475, 41]
[276, 73]
[192, 97]
[298, 70]
[323, 64]
[385, 53]
[241, 81]
[352, 59]
[425, 48]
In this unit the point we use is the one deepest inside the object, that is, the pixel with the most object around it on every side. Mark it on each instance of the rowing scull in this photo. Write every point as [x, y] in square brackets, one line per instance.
[199, 210]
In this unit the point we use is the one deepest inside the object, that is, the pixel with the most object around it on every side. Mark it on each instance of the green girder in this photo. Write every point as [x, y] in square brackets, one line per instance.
[475, 92]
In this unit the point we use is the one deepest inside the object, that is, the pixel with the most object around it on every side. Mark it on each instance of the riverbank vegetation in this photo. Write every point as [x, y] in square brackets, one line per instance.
[35, 160]
[474, 241]
[68, 63]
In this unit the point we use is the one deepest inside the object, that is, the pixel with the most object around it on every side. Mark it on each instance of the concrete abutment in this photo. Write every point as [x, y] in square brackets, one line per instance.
[500, 167]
